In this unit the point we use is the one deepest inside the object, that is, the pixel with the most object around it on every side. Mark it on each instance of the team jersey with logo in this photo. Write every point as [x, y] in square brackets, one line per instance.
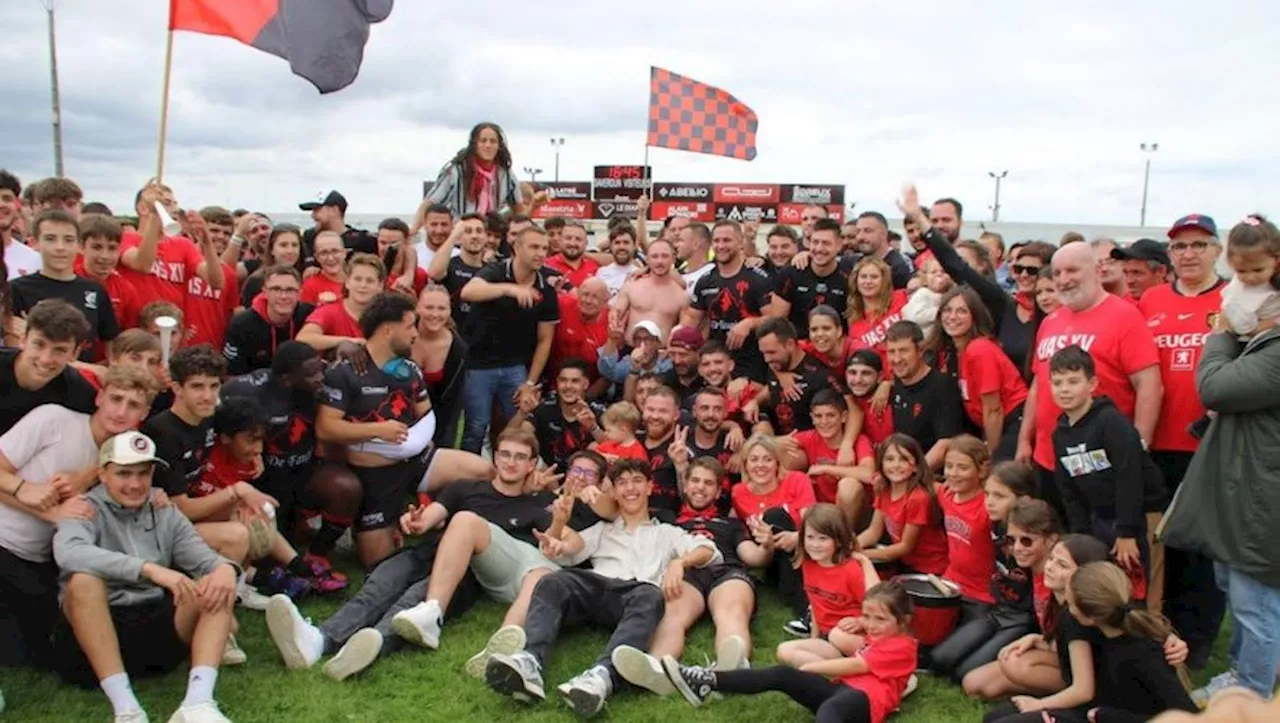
[811, 377]
[1180, 325]
[290, 442]
[727, 301]
[375, 396]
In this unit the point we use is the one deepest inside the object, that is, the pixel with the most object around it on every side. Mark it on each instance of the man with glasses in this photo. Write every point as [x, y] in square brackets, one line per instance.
[275, 317]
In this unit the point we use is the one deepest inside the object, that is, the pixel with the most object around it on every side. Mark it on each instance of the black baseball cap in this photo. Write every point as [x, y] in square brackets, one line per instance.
[867, 358]
[332, 198]
[1144, 249]
[1194, 220]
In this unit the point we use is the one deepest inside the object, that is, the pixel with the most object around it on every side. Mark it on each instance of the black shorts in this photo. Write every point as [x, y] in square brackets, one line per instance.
[289, 487]
[28, 609]
[706, 579]
[149, 643]
[384, 490]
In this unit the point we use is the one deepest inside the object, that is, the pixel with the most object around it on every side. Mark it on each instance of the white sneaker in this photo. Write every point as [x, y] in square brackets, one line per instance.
[248, 597]
[133, 716]
[203, 713]
[732, 654]
[517, 675]
[420, 624]
[642, 670]
[912, 683]
[233, 654]
[1216, 684]
[586, 692]
[300, 643]
[505, 640]
[359, 653]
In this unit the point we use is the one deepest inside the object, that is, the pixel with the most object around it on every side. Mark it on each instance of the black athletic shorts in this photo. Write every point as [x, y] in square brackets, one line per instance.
[149, 643]
[28, 609]
[385, 490]
[706, 579]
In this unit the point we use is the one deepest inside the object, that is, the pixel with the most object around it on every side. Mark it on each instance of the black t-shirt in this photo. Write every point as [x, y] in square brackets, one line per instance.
[503, 334]
[928, 410]
[900, 268]
[517, 516]
[86, 295]
[375, 396]
[812, 376]
[456, 276]
[1010, 584]
[720, 453]
[665, 494]
[183, 446]
[686, 392]
[804, 289]
[727, 301]
[68, 389]
[290, 442]
[726, 532]
[560, 438]
[1069, 630]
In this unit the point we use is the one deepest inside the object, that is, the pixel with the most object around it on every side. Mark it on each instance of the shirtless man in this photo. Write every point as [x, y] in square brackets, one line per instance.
[658, 296]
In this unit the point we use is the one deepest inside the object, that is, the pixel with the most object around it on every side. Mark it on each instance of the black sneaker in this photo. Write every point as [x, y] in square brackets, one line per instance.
[800, 627]
[694, 683]
[517, 676]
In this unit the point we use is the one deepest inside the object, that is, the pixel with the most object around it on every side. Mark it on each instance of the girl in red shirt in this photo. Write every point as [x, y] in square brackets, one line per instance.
[971, 553]
[827, 342]
[330, 325]
[874, 305]
[907, 509]
[836, 578]
[326, 286]
[864, 687]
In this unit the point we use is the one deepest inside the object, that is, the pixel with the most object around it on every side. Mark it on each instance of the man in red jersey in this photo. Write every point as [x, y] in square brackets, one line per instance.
[573, 261]
[1181, 314]
[1114, 333]
[99, 255]
[583, 329]
[208, 310]
[160, 266]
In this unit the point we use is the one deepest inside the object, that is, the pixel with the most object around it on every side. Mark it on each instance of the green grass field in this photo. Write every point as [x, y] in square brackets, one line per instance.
[430, 685]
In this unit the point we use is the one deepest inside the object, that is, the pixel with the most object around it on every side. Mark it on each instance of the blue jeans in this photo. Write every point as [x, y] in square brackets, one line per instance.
[1255, 629]
[482, 387]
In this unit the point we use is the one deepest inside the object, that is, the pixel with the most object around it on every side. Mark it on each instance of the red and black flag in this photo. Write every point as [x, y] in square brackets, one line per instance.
[691, 116]
[323, 40]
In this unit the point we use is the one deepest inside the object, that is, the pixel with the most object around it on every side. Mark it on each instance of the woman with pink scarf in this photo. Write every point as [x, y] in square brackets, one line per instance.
[479, 179]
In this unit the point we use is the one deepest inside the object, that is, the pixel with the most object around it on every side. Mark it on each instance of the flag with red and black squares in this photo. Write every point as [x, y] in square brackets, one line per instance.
[691, 116]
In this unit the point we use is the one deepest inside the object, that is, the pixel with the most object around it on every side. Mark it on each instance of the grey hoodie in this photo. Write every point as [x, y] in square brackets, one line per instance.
[117, 541]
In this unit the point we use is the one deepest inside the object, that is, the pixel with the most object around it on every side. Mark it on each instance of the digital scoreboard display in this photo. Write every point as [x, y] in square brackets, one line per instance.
[620, 183]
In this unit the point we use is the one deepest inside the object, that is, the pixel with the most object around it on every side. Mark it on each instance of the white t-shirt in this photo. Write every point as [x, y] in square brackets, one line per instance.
[691, 278]
[614, 275]
[20, 259]
[49, 440]
[426, 253]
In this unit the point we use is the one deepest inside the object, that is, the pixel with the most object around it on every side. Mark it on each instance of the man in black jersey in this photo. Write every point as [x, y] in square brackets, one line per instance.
[383, 416]
[39, 373]
[57, 238]
[823, 280]
[926, 403]
[732, 299]
[711, 439]
[787, 404]
[455, 271]
[726, 589]
[661, 411]
[564, 422]
[184, 435]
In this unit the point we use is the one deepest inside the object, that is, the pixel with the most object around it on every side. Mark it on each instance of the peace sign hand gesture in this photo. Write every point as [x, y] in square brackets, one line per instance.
[678, 450]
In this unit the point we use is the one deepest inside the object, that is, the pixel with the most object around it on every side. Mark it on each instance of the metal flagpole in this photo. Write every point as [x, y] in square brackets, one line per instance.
[164, 98]
[53, 86]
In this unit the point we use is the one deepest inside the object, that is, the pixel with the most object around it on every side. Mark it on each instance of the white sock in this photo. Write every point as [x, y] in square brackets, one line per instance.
[200, 685]
[120, 693]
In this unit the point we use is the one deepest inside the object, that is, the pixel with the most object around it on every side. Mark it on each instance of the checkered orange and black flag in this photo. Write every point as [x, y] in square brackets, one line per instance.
[691, 116]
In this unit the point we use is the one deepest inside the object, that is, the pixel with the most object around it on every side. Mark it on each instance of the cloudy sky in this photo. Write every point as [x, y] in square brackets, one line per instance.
[861, 93]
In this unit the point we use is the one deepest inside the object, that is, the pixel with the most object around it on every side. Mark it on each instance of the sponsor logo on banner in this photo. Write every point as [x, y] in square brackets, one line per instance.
[568, 190]
[700, 212]
[791, 213]
[755, 194]
[620, 183]
[580, 210]
[743, 212]
[682, 191]
[608, 209]
[822, 195]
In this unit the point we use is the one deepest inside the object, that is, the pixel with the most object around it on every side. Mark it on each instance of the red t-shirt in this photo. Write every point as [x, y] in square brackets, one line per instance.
[913, 508]
[971, 553]
[321, 285]
[870, 332]
[1115, 335]
[835, 592]
[877, 427]
[921, 258]
[836, 365]
[208, 310]
[587, 267]
[578, 339]
[177, 259]
[220, 471]
[890, 662]
[794, 493]
[825, 485]
[1180, 325]
[125, 301]
[419, 280]
[633, 451]
[985, 369]
[1040, 600]
[334, 320]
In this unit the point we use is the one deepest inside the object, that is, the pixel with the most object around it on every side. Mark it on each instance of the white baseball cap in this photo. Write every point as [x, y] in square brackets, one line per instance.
[650, 327]
[129, 448]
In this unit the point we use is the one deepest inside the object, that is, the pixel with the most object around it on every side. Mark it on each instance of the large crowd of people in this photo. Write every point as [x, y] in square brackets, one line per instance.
[1045, 471]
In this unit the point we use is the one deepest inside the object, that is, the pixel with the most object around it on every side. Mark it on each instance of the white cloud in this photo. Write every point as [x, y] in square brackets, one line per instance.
[867, 94]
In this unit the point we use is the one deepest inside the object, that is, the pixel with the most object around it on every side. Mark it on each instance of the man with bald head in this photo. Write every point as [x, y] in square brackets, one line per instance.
[583, 328]
[656, 296]
[1114, 333]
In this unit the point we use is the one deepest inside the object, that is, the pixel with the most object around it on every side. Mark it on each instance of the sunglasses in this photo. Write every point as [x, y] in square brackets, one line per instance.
[1024, 540]
[1019, 269]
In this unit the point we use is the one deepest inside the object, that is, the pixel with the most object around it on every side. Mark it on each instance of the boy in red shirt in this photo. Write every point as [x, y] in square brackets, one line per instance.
[816, 450]
[160, 266]
[99, 256]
